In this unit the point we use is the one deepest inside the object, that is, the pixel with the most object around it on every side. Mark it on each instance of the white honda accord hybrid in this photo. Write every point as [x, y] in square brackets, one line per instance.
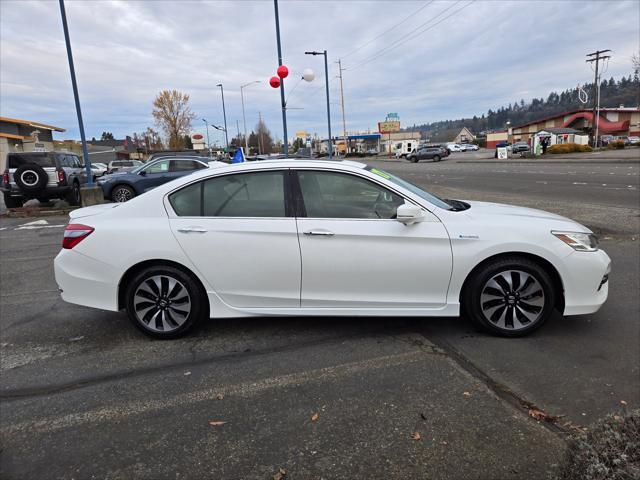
[306, 237]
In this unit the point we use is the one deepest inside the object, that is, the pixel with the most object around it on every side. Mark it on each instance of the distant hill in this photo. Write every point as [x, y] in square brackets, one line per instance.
[625, 91]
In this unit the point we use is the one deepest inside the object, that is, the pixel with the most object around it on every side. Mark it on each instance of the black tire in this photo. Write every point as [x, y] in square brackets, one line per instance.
[151, 310]
[31, 179]
[412, 159]
[436, 158]
[13, 202]
[513, 304]
[73, 196]
[122, 193]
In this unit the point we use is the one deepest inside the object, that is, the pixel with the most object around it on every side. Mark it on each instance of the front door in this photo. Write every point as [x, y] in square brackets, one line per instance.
[240, 235]
[355, 254]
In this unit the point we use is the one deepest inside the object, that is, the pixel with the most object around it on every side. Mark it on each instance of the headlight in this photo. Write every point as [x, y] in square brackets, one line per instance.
[582, 242]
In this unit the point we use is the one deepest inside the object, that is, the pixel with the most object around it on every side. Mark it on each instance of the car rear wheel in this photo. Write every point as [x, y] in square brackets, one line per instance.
[165, 302]
[509, 297]
[436, 158]
[73, 197]
[122, 193]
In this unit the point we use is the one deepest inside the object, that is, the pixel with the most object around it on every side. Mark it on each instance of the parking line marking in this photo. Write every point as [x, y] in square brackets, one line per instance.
[100, 415]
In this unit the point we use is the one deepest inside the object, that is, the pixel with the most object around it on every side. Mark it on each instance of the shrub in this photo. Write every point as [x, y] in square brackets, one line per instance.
[616, 145]
[568, 148]
[609, 451]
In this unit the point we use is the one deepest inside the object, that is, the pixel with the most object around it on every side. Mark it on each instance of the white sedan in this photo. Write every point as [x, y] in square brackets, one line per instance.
[306, 237]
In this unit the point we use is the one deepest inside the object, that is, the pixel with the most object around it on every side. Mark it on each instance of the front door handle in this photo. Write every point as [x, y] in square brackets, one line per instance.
[192, 230]
[325, 233]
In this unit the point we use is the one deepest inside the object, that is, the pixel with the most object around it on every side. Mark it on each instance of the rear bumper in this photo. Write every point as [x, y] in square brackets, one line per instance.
[584, 289]
[85, 281]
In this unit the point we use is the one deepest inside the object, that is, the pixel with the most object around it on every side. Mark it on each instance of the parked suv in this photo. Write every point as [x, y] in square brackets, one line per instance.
[123, 186]
[42, 175]
[426, 153]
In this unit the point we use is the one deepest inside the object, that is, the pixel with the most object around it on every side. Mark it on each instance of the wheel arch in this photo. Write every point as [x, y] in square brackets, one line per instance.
[543, 262]
[138, 267]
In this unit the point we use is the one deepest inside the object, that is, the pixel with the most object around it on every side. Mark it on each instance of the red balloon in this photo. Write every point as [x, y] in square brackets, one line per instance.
[274, 82]
[283, 71]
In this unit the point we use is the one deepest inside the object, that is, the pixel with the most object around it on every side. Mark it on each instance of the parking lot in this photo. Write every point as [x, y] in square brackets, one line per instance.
[85, 395]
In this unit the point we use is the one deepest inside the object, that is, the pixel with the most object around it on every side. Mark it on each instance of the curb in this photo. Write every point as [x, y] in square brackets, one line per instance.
[36, 213]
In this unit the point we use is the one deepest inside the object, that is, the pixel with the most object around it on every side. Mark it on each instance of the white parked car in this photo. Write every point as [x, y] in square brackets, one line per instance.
[308, 237]
[454, 147]
[467, 147]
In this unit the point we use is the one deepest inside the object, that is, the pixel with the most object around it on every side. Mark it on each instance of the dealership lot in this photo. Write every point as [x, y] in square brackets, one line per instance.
[84, 393]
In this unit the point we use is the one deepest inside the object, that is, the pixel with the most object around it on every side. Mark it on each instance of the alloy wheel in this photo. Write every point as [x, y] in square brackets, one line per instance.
[122, 194]
[512, 300]
[162, 303]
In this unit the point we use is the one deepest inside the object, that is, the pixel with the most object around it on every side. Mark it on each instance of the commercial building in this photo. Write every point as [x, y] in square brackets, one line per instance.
[611, 121]
[18, 135]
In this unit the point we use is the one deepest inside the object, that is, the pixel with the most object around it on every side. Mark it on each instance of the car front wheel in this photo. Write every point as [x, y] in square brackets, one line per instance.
[436, 158]
[122, 193]
[509, 297]
[165, 302]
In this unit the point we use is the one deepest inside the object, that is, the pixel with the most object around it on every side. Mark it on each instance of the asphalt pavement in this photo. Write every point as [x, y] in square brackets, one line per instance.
[85, 395]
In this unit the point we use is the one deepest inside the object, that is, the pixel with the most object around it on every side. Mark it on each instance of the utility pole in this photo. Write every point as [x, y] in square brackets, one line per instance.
[344, 122]
[596, 57]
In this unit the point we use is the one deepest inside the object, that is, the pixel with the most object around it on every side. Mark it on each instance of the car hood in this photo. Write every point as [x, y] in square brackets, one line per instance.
[485, 209]
[92, 210]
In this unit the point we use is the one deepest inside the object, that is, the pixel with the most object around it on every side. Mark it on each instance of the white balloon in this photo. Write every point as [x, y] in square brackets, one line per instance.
[308, 75]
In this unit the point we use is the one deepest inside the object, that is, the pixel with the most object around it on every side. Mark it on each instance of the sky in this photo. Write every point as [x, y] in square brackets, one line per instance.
[425, 60]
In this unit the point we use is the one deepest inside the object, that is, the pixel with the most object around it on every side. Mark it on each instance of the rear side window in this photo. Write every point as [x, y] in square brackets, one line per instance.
[258, 194]
[42, 159]
[184, 165]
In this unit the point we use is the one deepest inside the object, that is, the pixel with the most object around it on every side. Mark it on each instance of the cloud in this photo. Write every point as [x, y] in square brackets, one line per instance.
[486, 55]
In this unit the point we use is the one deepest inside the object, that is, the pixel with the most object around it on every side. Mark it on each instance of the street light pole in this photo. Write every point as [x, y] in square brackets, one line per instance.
[282, 99]
[208, 142]
[224, 114]
[244, 118]
[326, 81]
[72, 70]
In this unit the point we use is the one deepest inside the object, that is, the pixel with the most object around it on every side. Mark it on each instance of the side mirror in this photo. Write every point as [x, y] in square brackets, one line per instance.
[143, 173]
[409, 214]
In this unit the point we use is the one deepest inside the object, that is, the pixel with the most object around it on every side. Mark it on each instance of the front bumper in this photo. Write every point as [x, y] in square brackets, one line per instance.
[584, 289]
[85, 281]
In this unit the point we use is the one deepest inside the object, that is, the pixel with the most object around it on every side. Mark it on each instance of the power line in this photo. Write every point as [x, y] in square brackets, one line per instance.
[387, 30]
[411, 35]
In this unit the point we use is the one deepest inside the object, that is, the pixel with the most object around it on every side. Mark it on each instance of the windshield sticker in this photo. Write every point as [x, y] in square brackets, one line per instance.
[380, 173]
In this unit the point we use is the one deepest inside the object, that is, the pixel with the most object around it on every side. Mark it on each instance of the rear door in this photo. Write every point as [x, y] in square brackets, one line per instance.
[241, 235]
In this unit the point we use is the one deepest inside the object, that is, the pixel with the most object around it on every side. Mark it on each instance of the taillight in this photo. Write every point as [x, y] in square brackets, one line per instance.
[5, 177]
[61, 177]
[74, 234]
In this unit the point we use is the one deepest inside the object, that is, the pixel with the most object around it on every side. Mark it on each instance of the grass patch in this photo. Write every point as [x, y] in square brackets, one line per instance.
[609, 451]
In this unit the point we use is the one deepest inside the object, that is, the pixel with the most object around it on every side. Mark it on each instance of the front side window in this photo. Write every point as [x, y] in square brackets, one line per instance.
[341, 195]
[257, 194]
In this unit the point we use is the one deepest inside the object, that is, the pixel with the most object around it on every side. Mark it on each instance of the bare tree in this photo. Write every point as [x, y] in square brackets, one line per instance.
[173, 115]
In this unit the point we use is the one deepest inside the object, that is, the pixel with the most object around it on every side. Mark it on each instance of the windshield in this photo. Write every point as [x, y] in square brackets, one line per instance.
[412, 188]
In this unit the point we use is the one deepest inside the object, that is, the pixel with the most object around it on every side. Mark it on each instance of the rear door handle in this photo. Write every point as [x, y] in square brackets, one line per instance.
[192, 230]
[325, 233]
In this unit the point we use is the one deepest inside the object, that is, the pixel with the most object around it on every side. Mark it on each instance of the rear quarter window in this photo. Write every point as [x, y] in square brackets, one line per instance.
[42, 159]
